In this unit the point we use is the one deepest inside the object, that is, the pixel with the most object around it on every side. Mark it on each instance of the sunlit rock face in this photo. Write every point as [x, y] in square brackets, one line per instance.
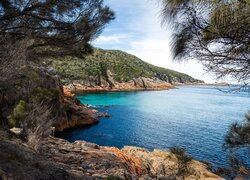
[59, 159]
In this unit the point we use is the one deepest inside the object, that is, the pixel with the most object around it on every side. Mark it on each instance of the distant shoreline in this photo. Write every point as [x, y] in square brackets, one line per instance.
[79, 89]
[202, 84]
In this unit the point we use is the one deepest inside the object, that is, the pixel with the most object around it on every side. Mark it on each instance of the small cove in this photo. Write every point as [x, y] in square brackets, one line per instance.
[193, 117]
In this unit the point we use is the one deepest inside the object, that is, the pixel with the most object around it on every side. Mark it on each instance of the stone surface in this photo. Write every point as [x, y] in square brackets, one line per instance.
[133, 85]
[77, 115]
[162, 164]
[59, 159]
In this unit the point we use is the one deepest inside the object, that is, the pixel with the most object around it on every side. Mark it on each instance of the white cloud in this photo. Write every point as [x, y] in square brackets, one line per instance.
[155, 46]
[111, 39]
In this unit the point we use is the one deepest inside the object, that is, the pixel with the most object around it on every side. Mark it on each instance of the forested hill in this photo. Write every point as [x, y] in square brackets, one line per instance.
[119, 65]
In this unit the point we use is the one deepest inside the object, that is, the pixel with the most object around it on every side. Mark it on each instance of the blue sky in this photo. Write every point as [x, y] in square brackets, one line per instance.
[137, 30]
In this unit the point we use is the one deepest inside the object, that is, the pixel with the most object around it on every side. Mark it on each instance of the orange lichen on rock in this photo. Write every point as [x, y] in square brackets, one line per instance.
[133, 163]
[67, 92]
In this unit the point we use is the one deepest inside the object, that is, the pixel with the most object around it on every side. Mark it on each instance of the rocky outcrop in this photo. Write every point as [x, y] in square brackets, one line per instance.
[141, 83]
[82, 117]
[35, 84]
[77, 115]
[163, 164]
[59, 159]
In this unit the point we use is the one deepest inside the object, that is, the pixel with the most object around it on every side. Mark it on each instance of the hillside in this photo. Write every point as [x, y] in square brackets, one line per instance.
[111, 67]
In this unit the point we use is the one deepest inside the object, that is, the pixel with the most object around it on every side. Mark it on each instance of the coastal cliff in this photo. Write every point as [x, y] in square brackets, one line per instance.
[115, 70]
[28, 156]
[59, 159]
[77, 114]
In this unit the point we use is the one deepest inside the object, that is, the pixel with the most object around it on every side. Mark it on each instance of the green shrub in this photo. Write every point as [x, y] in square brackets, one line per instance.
[183, 162]
[34, 76]
[45, 95]
[19, 113]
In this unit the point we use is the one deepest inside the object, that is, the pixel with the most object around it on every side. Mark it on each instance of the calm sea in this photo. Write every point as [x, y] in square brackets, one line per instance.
[193, 117]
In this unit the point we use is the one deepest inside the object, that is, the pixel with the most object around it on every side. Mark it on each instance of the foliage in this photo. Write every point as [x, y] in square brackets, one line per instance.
[53, 27]
[239, 134]
[236, 170]
[33, 117]
[183, 162]
[18, 114]
[34, 76]
[37, 124]
[33, 30]
[237, 137]
[123, 66]
[215, 32]
[45, 95]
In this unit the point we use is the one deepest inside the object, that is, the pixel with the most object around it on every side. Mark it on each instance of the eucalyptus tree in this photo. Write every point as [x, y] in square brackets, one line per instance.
[214, 32]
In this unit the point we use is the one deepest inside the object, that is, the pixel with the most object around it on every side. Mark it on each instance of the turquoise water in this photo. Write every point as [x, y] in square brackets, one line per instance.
[193, 117]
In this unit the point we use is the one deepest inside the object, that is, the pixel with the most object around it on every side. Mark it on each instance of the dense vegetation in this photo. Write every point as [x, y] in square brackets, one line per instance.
[123, 66]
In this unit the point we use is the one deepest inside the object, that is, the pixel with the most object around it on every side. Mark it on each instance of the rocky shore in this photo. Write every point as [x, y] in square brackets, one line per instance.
[81, 115]
[133, 85]
[139, 84]
[78, 114]
[84, 160]
[59, 159]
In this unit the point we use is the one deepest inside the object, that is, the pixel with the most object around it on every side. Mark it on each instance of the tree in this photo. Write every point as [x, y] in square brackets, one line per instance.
[30, 31]
[216, 33]
[238, 135]
[53, 27]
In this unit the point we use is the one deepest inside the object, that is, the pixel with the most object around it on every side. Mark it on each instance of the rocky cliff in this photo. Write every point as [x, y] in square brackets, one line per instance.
[115, 70]
[59, 159]
[53, 158]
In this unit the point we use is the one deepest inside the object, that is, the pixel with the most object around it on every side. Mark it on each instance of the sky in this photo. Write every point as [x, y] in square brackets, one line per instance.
[137, 30]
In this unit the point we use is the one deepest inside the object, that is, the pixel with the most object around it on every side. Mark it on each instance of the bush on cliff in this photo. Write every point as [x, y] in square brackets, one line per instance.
[37, 124]
[183, 162]
[18, 115]
[50, 95]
